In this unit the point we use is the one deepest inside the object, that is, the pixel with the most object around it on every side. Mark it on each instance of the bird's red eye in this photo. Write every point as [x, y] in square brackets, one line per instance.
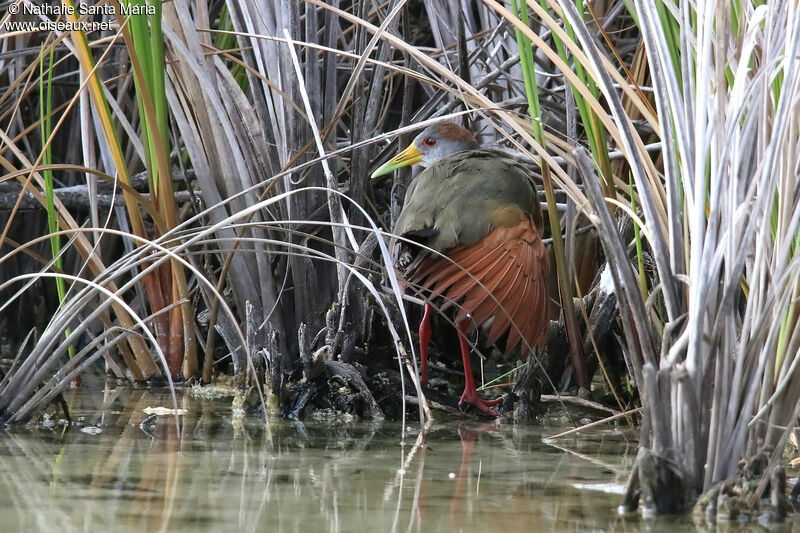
[429, 141]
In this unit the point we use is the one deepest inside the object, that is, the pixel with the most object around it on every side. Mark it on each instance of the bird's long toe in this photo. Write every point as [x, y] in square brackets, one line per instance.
[484, 406]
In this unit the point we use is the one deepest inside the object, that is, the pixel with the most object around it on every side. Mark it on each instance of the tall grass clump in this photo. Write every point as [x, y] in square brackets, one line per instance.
[712, 337]
[714, 345]
[239, 113]
[725, 384]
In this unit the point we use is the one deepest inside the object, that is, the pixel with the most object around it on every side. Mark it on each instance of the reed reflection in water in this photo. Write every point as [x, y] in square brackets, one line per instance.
[123, 470]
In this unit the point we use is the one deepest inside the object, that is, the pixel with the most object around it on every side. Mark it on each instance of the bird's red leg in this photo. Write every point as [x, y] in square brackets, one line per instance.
[470, 395]
[424, 339]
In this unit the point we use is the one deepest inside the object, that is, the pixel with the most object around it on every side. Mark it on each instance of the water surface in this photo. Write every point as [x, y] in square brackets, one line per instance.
[120, 470]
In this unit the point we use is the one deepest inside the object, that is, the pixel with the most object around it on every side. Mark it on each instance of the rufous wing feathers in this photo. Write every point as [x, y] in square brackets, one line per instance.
[502, 276]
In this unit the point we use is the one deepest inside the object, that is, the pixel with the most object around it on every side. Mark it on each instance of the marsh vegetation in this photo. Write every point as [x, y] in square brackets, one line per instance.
[185, 197]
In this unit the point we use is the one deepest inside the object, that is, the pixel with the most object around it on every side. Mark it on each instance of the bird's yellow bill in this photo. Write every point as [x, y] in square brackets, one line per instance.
[409, 156]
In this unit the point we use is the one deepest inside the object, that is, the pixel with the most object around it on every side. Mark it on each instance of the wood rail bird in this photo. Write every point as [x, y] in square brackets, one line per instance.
[471, 229]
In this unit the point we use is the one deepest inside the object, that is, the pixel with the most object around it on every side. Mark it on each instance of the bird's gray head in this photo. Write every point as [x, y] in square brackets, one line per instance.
[435, 142]
[442, 139]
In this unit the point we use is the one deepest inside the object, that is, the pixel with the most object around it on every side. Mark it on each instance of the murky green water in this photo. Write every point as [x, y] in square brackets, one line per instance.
[232, 474]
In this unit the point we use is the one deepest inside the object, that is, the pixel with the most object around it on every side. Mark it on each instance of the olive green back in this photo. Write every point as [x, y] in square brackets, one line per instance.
[459, 193]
